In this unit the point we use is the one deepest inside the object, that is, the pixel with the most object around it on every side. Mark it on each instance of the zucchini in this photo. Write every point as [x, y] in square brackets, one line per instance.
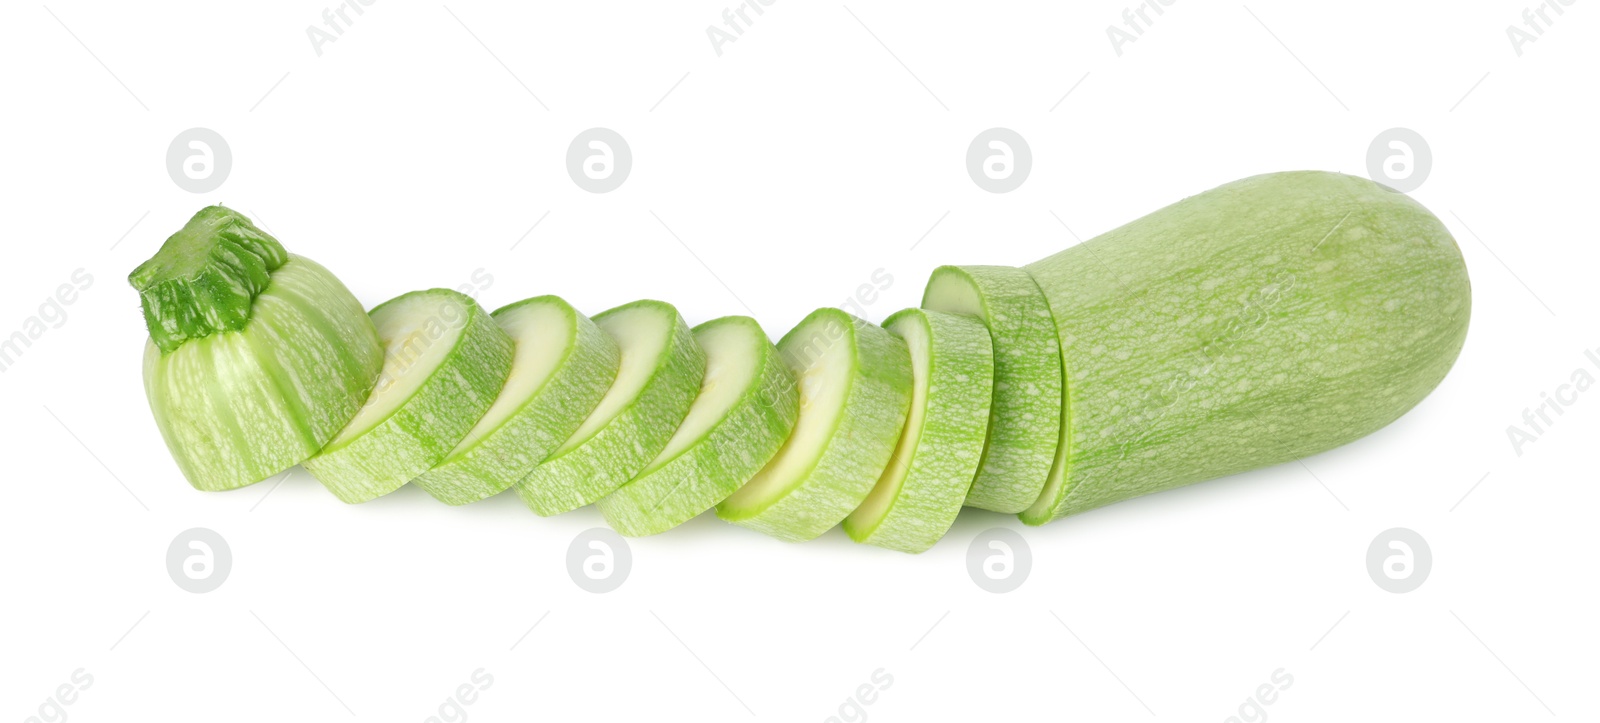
[1259, 322]
[1025, 415]
[855, 390]
[563, 364]
[922, 489]
[745, 411]
[1256, 323]
[656, 383]
[444, 363]
[256, 357]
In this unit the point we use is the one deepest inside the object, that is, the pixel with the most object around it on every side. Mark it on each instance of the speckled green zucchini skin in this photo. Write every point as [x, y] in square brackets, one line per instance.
[1025, 417]
[256, 357]
[1256, 323]
[953, 367]
[237, 407]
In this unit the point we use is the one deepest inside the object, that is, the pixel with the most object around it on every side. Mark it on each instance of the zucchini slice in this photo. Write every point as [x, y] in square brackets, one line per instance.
[444, 363]
[656, 383]
[1025, 417]
[922, 490]
[562, 366]
[746, 409]
[855, 390]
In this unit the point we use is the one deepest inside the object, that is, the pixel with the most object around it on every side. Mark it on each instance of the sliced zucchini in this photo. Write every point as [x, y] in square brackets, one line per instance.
[562, 366]
[444, 363]
[1025, 417]
[656, 383]
[746, 409]
[922, 490]
[855, 390]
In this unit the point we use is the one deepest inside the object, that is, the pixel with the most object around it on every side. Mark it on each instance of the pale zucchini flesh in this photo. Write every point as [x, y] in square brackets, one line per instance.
[444, 363]
[745, 410]
[656, 383]
[561, 368]
[922, 490]
[855, 391]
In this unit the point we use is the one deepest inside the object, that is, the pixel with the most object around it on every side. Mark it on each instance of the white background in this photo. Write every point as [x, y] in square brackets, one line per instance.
[803, 158]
